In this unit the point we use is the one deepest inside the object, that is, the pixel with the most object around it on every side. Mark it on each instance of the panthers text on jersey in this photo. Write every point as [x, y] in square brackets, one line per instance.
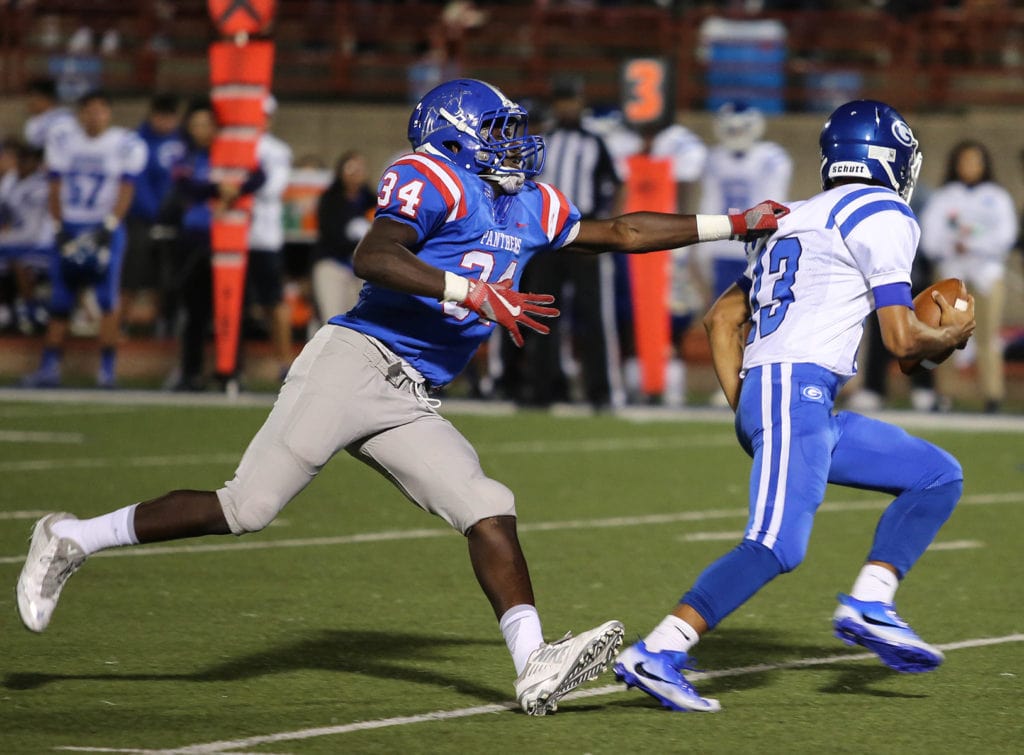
[25, 222]
[834, 258]
[463, 227]
[91, 170]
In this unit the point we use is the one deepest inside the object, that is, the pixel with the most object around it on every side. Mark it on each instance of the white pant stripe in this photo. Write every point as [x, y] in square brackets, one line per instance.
[786, 378]
[766, 451]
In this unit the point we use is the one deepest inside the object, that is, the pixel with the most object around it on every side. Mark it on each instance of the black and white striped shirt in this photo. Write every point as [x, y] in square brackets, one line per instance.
[579, 164]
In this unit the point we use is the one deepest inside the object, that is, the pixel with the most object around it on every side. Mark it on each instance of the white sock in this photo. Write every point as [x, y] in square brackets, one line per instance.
[672, 634]
[675, 383]
[521, 627]
[98, 533]
[875, 583]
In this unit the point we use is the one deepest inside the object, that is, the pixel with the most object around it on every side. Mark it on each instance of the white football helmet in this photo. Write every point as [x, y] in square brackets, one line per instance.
[738, 126]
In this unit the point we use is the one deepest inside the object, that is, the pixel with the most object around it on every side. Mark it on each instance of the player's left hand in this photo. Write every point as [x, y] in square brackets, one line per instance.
[760, 220]
[498, 303]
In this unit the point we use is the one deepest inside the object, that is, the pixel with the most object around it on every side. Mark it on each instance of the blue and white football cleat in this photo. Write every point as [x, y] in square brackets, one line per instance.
[660, 676]
[877, 626]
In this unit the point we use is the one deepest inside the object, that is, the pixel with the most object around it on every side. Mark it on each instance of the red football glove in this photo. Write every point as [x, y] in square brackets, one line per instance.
[759, 220]
[498, 303]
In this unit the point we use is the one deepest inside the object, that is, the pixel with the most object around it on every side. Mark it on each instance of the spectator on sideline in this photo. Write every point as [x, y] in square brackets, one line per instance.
[968, 229]
[141, 277]
[343, 214]
[265, 268]
[194, 198]
[26, 233]
[92, 174]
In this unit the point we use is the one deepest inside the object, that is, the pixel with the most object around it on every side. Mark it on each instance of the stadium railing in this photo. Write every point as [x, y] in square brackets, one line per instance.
[939, 58]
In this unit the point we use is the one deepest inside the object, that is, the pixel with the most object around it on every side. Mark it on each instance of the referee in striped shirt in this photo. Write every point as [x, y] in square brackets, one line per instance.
[579, 164]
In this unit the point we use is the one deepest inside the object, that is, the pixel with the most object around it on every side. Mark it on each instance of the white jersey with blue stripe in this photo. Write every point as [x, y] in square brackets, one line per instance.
[91, 170]
[41, 128]
[812, 282]
[464, 227]
[734, 181]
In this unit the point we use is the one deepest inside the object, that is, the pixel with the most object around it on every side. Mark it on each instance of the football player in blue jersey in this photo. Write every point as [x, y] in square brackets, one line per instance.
[457, 220]
[784, 341]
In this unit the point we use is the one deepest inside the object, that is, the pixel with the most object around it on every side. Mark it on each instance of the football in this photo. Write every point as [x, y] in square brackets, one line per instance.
[953, 291]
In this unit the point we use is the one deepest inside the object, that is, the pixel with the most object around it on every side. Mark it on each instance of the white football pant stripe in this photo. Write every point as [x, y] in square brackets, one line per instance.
[785, 434]
[767, 451]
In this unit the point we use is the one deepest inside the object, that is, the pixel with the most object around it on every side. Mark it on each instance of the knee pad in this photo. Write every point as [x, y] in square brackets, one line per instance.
[486, 498]
[251, 514]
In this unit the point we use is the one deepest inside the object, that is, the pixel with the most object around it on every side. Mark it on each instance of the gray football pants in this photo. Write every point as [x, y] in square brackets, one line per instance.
[346, 391]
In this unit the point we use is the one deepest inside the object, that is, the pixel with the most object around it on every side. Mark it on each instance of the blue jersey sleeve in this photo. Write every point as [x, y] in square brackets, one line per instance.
[422, 192]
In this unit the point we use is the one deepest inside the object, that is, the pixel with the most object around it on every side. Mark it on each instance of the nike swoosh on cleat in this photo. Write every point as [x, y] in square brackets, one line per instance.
[641, 671]
[877, 622]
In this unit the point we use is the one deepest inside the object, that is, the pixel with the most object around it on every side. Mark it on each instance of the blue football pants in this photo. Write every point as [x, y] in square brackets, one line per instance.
[785, 422]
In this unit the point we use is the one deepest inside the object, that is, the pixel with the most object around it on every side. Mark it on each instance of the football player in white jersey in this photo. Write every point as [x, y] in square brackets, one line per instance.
[92, 170]
[26, 231]
[47, 116]
[739, 167]
[783, 343]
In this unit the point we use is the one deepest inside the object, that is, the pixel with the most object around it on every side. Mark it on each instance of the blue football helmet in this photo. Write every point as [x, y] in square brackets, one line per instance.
[475, 126]
[869, 140]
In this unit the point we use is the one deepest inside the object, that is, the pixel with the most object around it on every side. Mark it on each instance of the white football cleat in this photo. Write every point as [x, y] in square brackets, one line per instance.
[51, 560]
[554, 670]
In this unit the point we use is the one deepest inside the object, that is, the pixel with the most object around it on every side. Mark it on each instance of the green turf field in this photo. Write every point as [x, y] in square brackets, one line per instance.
[354, 624]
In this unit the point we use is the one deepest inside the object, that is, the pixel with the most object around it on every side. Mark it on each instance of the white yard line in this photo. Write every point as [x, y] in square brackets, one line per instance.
[954, 422]
[30, 436]
[50, 465]
[540, 447]
[9, 515]
[955, 545]
[59, 410]
[232, 746]
[569, 524]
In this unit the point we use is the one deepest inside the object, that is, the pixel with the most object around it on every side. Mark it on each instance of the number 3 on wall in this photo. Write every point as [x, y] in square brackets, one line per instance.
[644, 84]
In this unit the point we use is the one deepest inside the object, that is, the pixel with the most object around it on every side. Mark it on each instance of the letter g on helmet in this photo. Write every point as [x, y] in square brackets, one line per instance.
[870, 140]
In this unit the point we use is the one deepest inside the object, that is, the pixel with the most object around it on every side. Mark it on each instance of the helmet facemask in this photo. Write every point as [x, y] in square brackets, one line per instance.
[478, 128]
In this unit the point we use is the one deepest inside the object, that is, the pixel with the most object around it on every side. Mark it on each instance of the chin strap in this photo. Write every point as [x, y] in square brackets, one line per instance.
[510, 183]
